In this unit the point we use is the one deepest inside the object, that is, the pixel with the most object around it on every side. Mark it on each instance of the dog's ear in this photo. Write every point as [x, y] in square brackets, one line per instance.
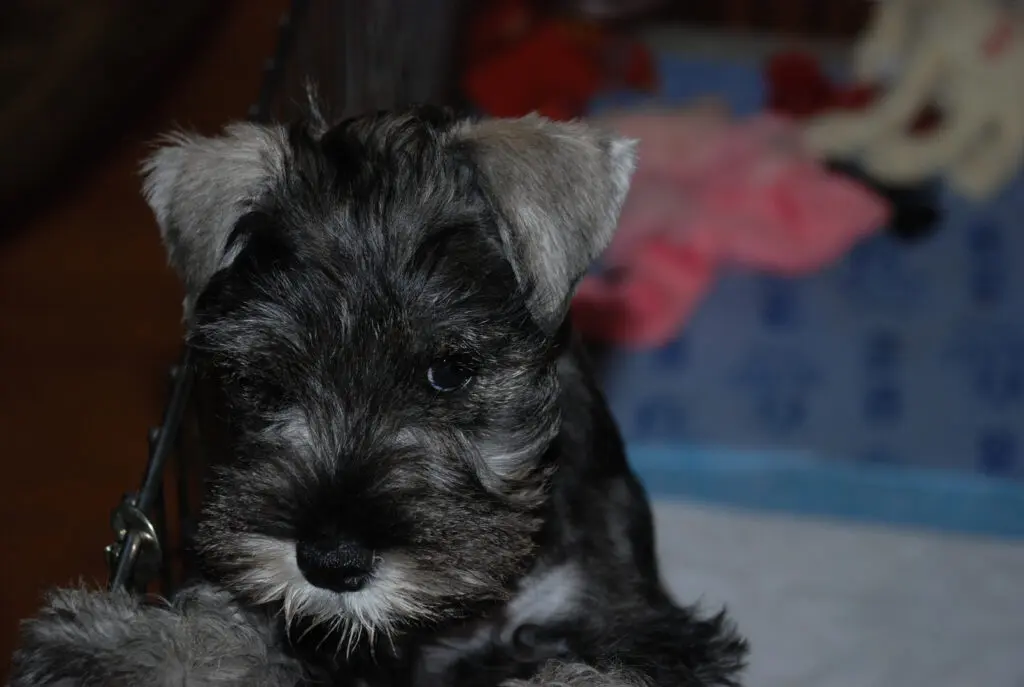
[558, 188]
[199, 187]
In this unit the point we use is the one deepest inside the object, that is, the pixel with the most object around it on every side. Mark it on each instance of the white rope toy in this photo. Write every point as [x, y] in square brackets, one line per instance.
[966, 57]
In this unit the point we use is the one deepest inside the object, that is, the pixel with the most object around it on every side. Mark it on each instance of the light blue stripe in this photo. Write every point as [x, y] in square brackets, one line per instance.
[804, 486]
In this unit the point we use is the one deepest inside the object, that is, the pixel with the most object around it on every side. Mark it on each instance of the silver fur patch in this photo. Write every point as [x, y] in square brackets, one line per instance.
[199, 186]
[546, 597]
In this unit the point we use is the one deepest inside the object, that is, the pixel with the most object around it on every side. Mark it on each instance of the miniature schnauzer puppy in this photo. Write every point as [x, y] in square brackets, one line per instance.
[421, 483]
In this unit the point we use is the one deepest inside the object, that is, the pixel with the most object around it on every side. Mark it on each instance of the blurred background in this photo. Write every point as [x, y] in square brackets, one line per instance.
[810, 324]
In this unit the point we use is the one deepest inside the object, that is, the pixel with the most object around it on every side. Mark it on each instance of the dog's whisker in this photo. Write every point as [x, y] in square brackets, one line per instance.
[335, 625]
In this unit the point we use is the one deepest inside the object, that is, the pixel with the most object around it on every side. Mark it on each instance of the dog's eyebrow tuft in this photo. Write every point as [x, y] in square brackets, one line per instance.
[432, 249]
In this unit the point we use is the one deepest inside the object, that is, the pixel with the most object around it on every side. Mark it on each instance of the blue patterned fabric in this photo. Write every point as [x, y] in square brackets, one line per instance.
[903, 360]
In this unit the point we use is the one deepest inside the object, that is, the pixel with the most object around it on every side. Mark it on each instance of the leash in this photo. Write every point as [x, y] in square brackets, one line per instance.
[138, 555]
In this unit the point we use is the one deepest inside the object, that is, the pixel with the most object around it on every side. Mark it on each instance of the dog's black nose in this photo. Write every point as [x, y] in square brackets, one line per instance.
[340, 565]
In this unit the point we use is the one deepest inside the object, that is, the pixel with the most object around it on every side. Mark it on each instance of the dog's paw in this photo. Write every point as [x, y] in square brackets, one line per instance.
[73, 636]
[573, 674]
[84, 637]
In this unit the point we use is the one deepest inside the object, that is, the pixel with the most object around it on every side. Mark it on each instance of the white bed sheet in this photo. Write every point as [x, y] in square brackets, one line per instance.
[839, 605]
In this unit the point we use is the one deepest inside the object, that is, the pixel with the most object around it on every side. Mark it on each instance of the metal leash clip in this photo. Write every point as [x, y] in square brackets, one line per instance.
[137, 550]
[136, 558]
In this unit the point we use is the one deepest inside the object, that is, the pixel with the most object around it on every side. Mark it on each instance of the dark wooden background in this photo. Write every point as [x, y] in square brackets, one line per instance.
[88, 325]
[89, 311]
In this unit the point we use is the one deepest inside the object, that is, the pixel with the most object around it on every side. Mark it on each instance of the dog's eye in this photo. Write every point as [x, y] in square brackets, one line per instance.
[449, 374]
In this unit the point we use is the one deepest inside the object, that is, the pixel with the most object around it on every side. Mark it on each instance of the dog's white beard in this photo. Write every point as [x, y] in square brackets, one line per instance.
[269, 573]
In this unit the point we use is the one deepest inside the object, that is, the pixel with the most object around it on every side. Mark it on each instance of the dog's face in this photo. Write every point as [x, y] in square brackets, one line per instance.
[381, 305]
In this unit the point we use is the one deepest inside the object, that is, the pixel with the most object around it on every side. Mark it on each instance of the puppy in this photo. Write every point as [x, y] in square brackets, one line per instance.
[421, 482]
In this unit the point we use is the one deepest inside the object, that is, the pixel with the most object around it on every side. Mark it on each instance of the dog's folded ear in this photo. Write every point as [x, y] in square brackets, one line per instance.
[558, 188]
[199, 187]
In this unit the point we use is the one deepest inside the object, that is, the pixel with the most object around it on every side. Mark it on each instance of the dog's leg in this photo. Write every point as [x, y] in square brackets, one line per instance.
[202, 637]
[667, 647]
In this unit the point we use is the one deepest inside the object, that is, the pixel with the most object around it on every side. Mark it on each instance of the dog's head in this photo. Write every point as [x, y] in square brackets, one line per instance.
[381, 304]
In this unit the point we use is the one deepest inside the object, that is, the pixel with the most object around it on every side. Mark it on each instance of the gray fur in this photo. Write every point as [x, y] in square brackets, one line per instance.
[363, 523]
[559, 187]
[563, 674]
[199, 186]
[203, 638]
